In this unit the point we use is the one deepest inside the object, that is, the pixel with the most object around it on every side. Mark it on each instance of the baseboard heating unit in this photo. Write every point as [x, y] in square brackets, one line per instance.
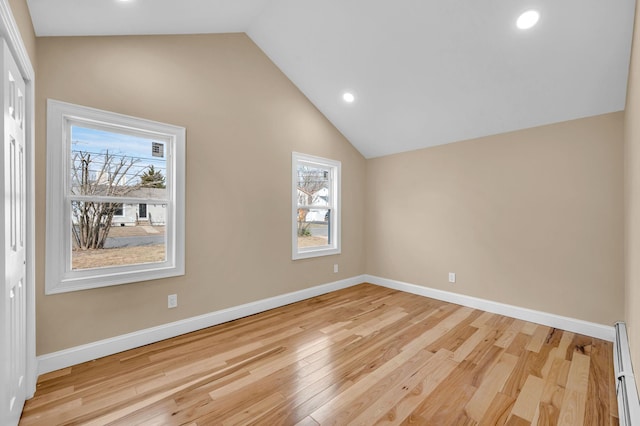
[628, 403]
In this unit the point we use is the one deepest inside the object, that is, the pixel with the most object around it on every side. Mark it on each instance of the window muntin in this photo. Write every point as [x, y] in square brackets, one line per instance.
[316, 224]
[114, 165]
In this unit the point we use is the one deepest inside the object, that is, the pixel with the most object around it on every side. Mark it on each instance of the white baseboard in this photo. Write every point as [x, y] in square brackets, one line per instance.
[79, 354]
[591, 329]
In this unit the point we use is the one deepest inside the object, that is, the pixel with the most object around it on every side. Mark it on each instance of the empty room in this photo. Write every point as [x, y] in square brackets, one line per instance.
[278, 212]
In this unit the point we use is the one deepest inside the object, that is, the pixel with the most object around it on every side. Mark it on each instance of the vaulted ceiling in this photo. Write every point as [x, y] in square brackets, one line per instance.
[423, 72]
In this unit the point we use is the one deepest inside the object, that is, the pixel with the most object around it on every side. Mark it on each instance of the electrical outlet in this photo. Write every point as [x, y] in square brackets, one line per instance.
[335, 268]
[172, 301]
[452, 277]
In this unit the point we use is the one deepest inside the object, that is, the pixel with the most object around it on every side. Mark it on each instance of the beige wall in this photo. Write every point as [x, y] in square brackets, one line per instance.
[22, 16]
[632, 201]
[531, 218]
[243, 120]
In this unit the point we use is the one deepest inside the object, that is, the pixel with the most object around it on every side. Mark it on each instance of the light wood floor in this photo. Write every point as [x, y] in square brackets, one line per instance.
[365, 355]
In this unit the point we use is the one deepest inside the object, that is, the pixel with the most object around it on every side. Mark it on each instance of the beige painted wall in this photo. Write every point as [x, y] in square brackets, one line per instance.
[22, 16]
[632, 201]
[243, 120]
[531, 218]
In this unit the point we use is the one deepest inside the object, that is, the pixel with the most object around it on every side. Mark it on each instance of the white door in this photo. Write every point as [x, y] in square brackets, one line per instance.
[13, 316]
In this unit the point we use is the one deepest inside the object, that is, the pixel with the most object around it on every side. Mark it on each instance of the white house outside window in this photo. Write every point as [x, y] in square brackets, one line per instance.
[315, 205]
[115, 198]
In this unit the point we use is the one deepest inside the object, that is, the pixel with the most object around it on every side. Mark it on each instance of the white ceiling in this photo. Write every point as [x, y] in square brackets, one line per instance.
[424, 72]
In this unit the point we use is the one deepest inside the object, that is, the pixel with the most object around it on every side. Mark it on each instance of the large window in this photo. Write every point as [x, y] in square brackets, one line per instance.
[115, 199]
[316, 206]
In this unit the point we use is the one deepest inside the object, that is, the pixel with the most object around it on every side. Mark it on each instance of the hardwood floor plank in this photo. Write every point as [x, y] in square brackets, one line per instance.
[525, 367]
[55, 414]
[362, 355]
[517, 421]
[507, 337]
[573, 403]
[527, 403]
[435, 368]
[365, 393]
[307, 421]
[552, 392]
[156, 414]
[456, 336]
[437, 371]
[597, 405]
[483, 319]
[449, 408]
[565, 342]
[529, 328]
[254, 410]
[499, 410]
[579, 373]
[411, 349]
[467, 347]
[538, 338]
[493, 384]
[317, 382]
[519, 344]
[485, 354]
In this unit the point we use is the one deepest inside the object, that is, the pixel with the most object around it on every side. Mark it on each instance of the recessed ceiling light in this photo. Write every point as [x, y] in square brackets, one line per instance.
[348, 97]
[528, 19]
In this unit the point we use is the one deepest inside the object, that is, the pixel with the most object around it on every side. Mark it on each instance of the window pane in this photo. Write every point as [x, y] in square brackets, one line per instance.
[101, 238]
[107, 163]
[314, 226]
[313, 185]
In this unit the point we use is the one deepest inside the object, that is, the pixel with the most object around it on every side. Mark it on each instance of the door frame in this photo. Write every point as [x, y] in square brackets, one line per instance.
[10, 32]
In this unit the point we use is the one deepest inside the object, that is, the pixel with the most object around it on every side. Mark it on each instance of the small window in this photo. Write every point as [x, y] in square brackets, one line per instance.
[142, 211]
[118, 210]
[316, 206]
[157, 149]
[103, 172]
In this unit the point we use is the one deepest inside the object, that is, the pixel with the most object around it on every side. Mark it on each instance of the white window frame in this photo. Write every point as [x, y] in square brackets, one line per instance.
[59, 277]
[334, 206]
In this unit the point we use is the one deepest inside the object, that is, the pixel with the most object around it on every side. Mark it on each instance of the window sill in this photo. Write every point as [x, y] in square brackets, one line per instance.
[318, 252]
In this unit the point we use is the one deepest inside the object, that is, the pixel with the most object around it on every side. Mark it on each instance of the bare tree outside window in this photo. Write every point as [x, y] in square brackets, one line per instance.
[115, 198]
[98, 175]
[313, 199]
[310, 181]
[316, 199]
[112, 176]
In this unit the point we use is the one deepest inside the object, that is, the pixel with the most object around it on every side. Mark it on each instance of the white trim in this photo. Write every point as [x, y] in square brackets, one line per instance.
[79, 354]
[59, 277]
[10, 31]
[334, 206]
[72, 356]
[591, 329]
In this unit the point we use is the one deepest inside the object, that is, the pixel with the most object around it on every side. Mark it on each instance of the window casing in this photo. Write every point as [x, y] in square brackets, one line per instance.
[99, 175]
[316, 226]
